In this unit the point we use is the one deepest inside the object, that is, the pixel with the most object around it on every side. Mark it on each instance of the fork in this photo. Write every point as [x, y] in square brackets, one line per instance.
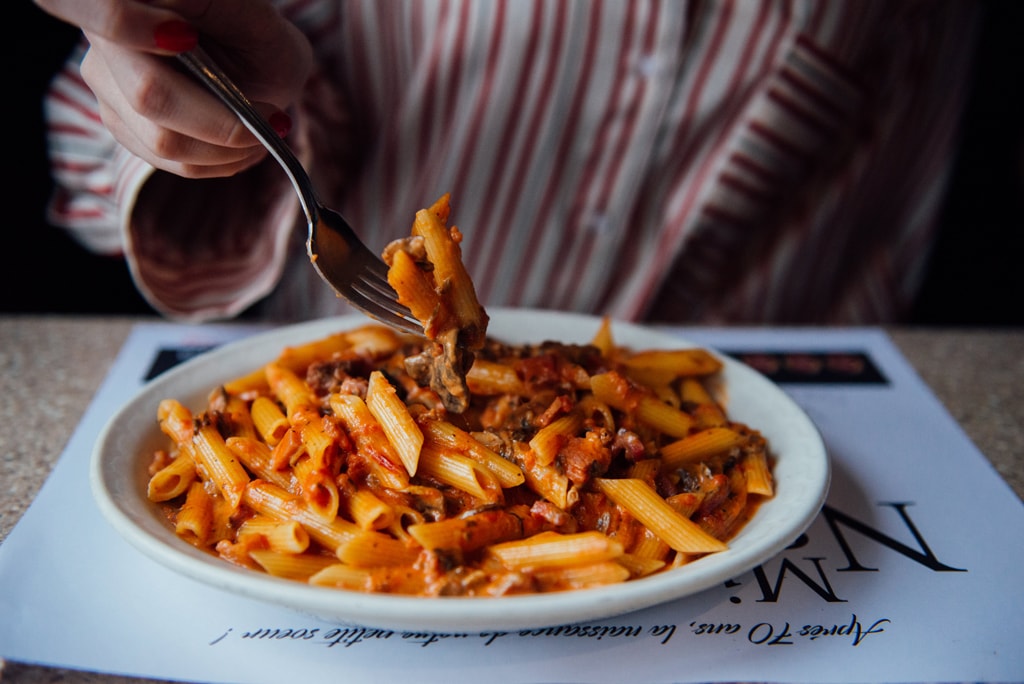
[336, 252]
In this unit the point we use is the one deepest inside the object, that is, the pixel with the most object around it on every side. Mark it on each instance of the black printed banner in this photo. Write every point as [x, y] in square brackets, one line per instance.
[808, 367]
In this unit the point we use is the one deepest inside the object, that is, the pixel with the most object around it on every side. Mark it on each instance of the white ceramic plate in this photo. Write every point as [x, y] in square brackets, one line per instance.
[122, 451]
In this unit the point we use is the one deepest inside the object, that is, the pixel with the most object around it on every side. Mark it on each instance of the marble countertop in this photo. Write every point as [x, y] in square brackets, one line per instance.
[50, 367]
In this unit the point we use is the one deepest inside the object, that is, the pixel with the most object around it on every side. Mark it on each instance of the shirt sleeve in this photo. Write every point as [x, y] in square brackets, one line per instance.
[90, 170]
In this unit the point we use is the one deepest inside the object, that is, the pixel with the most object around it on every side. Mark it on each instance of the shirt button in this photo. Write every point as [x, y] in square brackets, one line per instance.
[596, 223]
[647, 66]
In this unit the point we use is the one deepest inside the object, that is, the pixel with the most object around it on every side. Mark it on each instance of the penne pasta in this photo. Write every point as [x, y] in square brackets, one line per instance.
[646, 469]
[556, 550]
[460, 472]
[582, 576]
[720, 521]
[314, 432]
[371, 341]
[269, 419]
[289, 389]
[491, 378]
[368, 511]
[603, 339]
[288, 451]
[549, 439]
[295, 566]
[394, 418]
[700, 446]
[194, 521]
[257, 457]
[297, 358]
[441, 433]
[757, 472]
[172, 480]
[663, 417]
[175, 421]
[364, 482]
[317, 488]
[370, 440]
[639, 565]
[547, 481]
[218, 461]
[417, 291]
[234, 414]
[643, 503]
[674, 363]
[367, 549]
[450, 276]
[451, 464]
[615, 390]
[281, 536]
[341, 576]
[272, 501]
[650, 547]
[704, 409]
[427, 274]
[470, 533]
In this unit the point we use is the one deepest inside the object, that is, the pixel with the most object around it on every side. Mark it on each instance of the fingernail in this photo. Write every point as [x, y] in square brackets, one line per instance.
[281, 123]
[175, 36]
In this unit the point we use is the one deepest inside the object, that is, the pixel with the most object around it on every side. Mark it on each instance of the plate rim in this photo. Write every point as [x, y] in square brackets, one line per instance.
[460, 614]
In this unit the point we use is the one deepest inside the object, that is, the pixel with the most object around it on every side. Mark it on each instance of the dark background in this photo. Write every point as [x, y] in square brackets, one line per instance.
[976, 274]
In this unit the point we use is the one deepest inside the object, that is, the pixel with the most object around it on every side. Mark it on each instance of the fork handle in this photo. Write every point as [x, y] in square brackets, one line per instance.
[210, 74]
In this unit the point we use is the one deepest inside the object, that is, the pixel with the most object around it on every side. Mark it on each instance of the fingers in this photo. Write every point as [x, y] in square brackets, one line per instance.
[164, 116]
[150, 27]
[207, 164]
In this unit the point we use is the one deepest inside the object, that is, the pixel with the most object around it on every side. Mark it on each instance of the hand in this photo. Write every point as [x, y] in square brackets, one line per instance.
[164, 115]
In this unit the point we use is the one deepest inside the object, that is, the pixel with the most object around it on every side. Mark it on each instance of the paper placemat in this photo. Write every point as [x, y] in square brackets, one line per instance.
[910, 574]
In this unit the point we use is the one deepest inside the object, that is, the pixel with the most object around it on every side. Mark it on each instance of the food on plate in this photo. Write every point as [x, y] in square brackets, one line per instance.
[569, 466]
[427, 272]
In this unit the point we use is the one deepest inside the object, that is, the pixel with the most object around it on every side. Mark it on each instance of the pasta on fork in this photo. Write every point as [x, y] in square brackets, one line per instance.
[427, 272]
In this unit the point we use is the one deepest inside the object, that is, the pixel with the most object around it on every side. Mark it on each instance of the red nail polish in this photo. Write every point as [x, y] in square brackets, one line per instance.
[281, 123]
[175, 36]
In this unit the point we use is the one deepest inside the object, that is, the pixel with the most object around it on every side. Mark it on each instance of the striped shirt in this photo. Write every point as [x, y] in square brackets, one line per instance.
[705, 161]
